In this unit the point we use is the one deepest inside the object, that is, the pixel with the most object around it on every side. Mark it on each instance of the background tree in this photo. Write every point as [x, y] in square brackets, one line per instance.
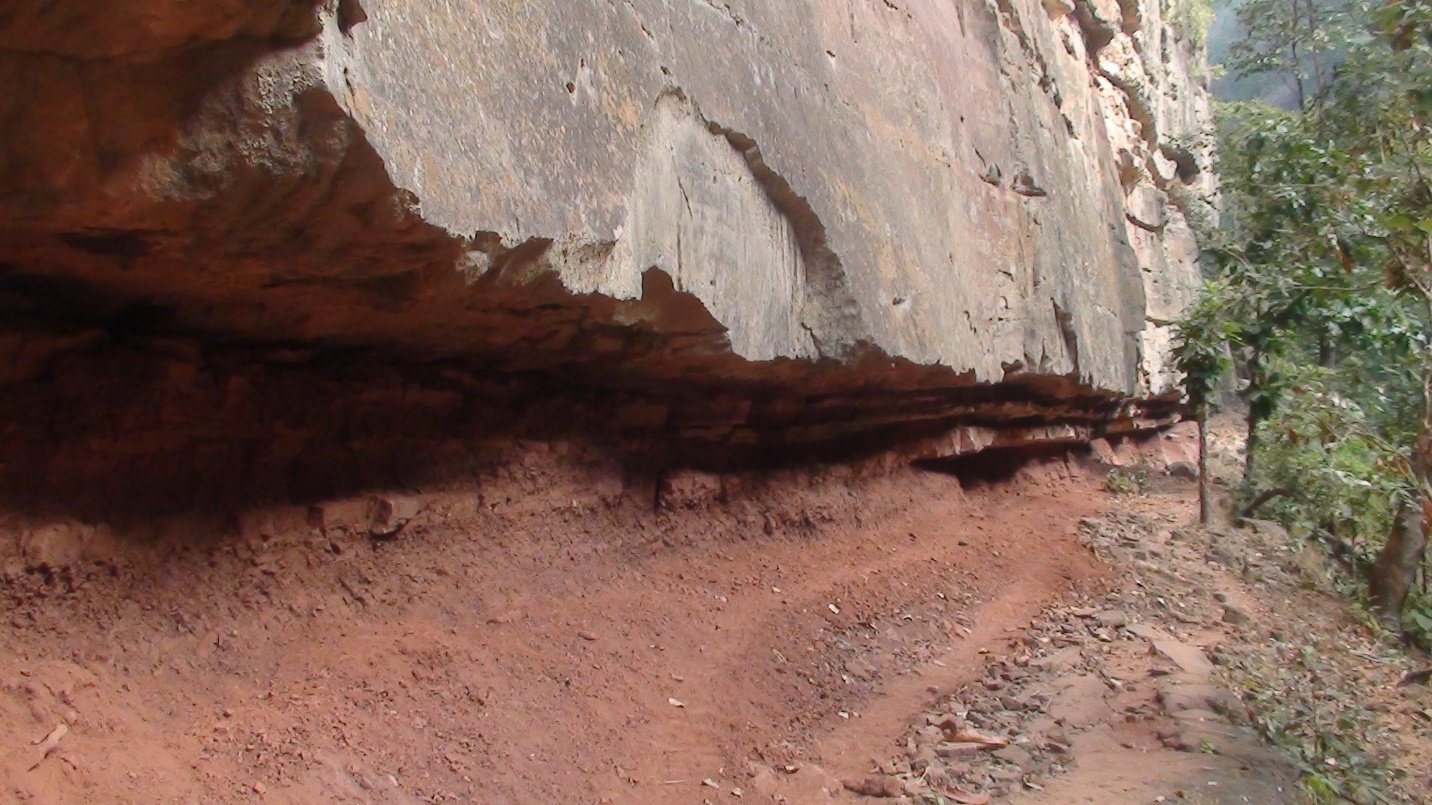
[1298, 41]
[1324, 281]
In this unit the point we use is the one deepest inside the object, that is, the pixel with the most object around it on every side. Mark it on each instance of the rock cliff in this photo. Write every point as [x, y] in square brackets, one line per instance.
[258, 235]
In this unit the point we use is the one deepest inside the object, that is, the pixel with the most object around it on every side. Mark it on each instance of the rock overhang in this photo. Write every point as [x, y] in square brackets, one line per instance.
[888, 215]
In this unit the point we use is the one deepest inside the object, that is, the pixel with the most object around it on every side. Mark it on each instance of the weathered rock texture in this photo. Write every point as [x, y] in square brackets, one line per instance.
[744, 226]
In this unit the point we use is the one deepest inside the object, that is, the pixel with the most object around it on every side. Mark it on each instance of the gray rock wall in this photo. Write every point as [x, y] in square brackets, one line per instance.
[961, 171]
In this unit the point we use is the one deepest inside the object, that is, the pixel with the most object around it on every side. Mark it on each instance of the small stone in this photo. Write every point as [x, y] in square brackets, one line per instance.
[710, 783]
[1183, 470]
[1223, 556]
[1112, 618]
[929, 734]
[1014, 755]
[1172, 738]
[879, 787]
[388, 515]
[1189, 659]
[1006, 775]
[1197, 715]
[1148, 632]
[950, 724]
[861, 668]
[1235, 616]
[55, 546]
[1196, 696]
[260, 789]
[1060, 661]
[923, 760]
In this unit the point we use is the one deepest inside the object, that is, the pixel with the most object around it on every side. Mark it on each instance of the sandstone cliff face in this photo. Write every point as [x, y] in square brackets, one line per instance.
[767, 223]
[947, 184]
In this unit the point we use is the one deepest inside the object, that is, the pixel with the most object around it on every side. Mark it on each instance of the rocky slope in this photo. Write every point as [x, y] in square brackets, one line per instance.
[286, 239]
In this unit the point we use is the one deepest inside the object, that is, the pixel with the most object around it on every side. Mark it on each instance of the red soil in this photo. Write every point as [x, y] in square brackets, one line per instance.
[545, 638]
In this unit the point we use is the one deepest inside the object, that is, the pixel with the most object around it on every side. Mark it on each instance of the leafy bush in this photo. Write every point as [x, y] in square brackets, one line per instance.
[1323, 289]
[1340, 476]
[1323, 295]
[1326, 731]
[1193, 18]
[1417, 619]
[1133, 480]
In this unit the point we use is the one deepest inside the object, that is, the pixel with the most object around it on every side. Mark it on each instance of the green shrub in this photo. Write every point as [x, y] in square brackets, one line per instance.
[1128, 480]
[1340, 477]
[1193, 18]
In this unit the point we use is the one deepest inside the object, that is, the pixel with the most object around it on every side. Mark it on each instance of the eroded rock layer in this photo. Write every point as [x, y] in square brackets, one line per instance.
[734, 230]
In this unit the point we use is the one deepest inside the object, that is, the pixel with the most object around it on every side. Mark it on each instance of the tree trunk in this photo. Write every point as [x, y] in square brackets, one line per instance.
[1391, 577]
[1205, 501]
[1260, 407]
[1327, 353]
[1258, 502]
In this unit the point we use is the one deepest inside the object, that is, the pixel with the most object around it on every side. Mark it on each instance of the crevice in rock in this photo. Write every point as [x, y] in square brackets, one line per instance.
[830, 307]
[1010, 19]
[350, 13]
[1068, 332]
[1185, 161]
[725, 10]
[1137, 102]
[1098, 33]
[999, 465]
[190, 426]
[1156, 229]
[1132, 15]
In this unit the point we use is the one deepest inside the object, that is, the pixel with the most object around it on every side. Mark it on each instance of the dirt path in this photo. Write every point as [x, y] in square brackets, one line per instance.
[502, 649]
[554, 639]
[1106, 694]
